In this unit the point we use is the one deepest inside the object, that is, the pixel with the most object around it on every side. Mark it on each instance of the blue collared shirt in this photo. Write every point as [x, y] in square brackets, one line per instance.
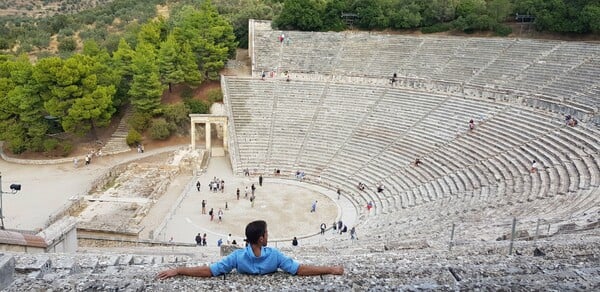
[245, 262]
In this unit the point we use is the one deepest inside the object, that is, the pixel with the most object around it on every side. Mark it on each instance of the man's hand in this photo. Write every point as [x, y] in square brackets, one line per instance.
[337, 270]
[167, 274]
[307, 270]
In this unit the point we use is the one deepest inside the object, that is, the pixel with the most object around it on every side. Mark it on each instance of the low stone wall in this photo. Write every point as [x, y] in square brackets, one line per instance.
[106, 241]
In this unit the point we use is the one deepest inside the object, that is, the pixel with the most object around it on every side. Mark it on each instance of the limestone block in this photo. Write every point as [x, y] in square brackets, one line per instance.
[227, 249]
[7, 270]
[35, 263]
[126, 260]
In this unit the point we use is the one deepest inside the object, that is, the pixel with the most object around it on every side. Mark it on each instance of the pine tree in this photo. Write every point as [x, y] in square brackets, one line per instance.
[146, 89]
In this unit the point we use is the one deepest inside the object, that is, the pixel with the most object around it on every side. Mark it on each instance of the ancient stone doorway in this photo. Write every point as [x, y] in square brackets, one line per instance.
[214, 127]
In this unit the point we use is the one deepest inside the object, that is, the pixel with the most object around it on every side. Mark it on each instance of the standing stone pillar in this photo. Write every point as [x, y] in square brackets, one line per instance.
[225, 135]
[208, 144]
[193, 135]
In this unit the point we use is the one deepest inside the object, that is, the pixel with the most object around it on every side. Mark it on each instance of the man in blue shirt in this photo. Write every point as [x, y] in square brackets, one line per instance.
[255, 259]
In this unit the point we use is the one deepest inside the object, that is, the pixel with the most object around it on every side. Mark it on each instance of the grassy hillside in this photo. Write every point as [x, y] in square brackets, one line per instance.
[42, 8]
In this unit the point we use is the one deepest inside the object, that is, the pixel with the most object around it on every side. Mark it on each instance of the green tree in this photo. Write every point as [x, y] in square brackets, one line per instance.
[67, 44]
[240, 11]
[177, 63]
[332, 19]
[168, 56]
[146, 89]
[22, 123]
[160, 129]
[404, 14]
[178, 115]
[152, 33]
[188, 65]
[122, 60]
[559, 15]
[78, 90]
[499, 9]
[92, 110]
[59, 83]
[302, 15]
[591, 16]
[210, 37]
[372, 15]
[466, 8]
[436, 11]
[102, 65]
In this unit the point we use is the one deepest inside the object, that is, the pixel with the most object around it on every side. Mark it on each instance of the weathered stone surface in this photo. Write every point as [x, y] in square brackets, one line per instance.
[567, 266]
[227, 249]
[7, 270]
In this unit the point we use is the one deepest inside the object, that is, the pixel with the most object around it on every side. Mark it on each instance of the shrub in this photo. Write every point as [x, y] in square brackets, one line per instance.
[140, 121]
[37, 144]
[187, 93]
[438, 27]
[160, 129]
[67, 148]
[177, 115]
[215, 95]
[133, 137]
[502, 30]
[66, 32]
[197, 106]
[67, 44]
[50, 144]
[17, 145]
[41, 40]
[25, 47]
[4, 44]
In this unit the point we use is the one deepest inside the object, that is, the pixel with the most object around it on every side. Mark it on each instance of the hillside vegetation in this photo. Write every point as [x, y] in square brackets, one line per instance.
[440, 15]
[44, 103]
[39, 8]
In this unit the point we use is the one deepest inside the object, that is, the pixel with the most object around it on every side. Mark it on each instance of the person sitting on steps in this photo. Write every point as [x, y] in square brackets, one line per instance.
[255, 259]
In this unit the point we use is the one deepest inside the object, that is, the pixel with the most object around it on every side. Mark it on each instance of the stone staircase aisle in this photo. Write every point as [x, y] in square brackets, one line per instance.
[117, 144]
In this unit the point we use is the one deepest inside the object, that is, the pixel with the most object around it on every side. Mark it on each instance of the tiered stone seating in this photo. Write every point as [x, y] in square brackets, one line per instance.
[294, 111]
[301, 53]
[513, 60]
[252, 118]
[575, 81]
[383, 264]
[555, 69]
[471, 58]
[347, 133]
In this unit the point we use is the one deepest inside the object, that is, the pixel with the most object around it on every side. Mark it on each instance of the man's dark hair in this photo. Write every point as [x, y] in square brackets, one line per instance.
[254, 230]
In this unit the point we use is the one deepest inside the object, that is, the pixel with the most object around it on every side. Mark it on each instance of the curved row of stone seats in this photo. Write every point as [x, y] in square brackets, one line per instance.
[472, 260]
[344, 146]
[478, 222]
[101, 271]
[514, 59]
[473, 235]
[568, 264]
[470, 58]
[538, 152]
[383, 140]
[564, 70]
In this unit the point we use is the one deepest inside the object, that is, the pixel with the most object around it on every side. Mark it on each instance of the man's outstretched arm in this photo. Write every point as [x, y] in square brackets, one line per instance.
[306, 270]
[203, 271]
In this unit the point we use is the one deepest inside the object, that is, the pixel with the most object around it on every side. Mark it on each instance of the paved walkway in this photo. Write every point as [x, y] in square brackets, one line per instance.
[48, 188]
